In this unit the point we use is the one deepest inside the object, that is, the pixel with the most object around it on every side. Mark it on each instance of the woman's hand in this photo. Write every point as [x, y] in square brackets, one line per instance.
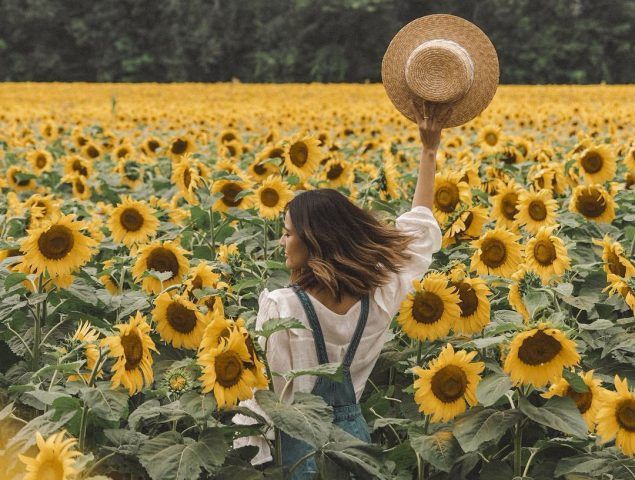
[431, 117]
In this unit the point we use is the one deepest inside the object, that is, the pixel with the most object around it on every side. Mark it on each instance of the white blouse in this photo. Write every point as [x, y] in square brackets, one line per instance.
[295, 349]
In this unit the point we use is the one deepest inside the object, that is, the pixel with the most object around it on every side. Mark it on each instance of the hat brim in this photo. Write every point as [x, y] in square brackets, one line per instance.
[448, 27]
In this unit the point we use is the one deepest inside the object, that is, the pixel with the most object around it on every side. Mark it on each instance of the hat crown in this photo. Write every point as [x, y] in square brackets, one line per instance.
[439, 70]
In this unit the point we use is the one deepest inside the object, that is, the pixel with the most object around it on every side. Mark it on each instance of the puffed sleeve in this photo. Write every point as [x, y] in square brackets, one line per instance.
[420, 222]
[279, 358]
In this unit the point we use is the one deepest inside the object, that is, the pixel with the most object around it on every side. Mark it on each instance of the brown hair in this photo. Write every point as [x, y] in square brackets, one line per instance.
[349, 249]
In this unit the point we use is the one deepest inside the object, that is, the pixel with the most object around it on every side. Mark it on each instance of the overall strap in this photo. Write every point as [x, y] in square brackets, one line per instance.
[318, 337]
[357, 335]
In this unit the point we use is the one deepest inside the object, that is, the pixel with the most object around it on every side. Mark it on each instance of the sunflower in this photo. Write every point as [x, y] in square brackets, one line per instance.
[473, 302]
[231, 150]
[272, 197]
[624, 286]
[161, 257]
[130, 172]
[536, 209]
[467, 224]
[431, 309]
[537, 356]
[40, 160]
[91, 150]
[178, 321]
[509, 155]
[546, 255]
[151, 146]
[262, 167]
[179, 146]
[78, 165]
[227, 251]
[42, 207]
[489, 137]
[88, 336]
[225, 372]
[131, 348]
[505, 204]
[219, 328]
[123, 152]
[228, 135]
[389, 180]
[616, 417]
[185, 175]
[448, 385]
[200, 277]
[108, 280]
[55, 459]
[629, 160]
[587, 402]
[132, 222]
[338, 172]
[497, 253]
[597, 164]
[593, 202]
[613, 256]
[19, 179]
[57, 246]
[302, 156]
[449, 193]
[231, 189]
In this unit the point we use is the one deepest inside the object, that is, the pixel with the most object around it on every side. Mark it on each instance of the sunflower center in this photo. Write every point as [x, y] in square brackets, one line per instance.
[449, 383]
[269, 197]
[163, 260]
[187, 178]
[299, 154]
[544, 252]
[260, 169]
[276, 153]
[56, 242]
[153, 145]
[446, 197]
[539, 348]
[334, 172]
[79, 186]
[592, 163]
[537, 210]
[468, 220]
[131, 219]
[132, 349]
[92, 152]
[590, 203]
[508, 157]
[427, 307]
[582, 399]
[491, 138]
[197, 282]
[51, 469]
[508, 205]
[494, 252]
[229, 368]
[177, 382]
[181, 318]
[625, 414]
[614, 265]
[80, 168]
[40, 161]
[230, 191]
[179, 146]
[468, 300]
[23, 182]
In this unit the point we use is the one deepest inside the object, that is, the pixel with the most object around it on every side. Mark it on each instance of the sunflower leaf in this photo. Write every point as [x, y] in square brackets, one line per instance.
[492, 387]
[440, 449]
[575, 381]
[308, 418]
[332, 371]
[105, 402]
[479, 425]
[13, 279]
[274, 325]
[559, 413]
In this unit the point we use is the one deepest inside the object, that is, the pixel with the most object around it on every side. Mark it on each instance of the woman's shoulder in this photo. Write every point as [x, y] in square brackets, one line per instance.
[278, 295]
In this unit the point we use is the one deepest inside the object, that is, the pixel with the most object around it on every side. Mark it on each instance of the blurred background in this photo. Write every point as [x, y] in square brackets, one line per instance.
[538, 41]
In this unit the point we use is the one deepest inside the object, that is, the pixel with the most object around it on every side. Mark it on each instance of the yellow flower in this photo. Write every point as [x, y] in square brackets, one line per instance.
[272, 196]
[505, 204]
[89, 337]
[161, 257]
[613, 256]
[57, 247]
[616, 417]
[593, 202]
[537, 356]
[430, 311]
[338, 172]
[624, 286]
[448, 385]
[178, 320]
[54, 460]
[76, 165]
[41, 161]
[20, 184]
[131, 348]
[449, 193]
[536, 209]
[302, 156]
[546, 255]
[179, 146]
[597, 164]
[473, 302]
[225, 251]
[132, 222]
[230, 190]
[497, 253]
[489, 137]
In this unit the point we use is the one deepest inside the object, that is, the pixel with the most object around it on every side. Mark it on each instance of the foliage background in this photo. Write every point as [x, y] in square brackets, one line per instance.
[538, 41]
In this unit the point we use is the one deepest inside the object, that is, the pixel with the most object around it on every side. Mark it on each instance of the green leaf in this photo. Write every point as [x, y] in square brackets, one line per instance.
[199, 407]
[492, 387]
[559, 413]
[478, 426]
[127, 442]
[308, 418]
[601, 324]
[170, 456]
[332, 371]
[274, 325]
[105, 402]
[575, 381]
[42, 397]
[161, 276]
[13, 279]
[275, 265]
[586, 464]
[440, 449]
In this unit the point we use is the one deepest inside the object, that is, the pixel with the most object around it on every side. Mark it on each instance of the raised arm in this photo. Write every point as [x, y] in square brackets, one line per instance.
[430, 119]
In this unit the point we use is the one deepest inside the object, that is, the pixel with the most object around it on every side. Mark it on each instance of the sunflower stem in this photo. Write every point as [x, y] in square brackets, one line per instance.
[264, 233]
[632, 247]
[419, 352]
[211, 222]
[298, 463]
[37, 336]
[278, 440]
[83, 423]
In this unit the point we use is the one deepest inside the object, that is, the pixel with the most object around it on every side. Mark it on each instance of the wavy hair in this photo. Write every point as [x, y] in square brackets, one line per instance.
[349, 249]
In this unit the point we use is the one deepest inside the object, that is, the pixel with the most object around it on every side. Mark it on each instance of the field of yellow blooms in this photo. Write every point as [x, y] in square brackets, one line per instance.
[139, 223]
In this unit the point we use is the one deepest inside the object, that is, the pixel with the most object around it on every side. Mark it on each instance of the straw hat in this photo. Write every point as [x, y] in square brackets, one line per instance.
[441, 58]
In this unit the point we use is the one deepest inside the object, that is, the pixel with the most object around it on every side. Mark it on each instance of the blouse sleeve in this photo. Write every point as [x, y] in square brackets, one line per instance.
[420, 222]
[279, 358]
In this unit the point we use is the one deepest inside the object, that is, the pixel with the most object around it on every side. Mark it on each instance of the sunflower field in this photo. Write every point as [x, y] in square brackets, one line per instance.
[139, 223]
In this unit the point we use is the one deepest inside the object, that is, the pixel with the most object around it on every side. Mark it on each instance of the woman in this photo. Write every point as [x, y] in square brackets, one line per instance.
[349, 273]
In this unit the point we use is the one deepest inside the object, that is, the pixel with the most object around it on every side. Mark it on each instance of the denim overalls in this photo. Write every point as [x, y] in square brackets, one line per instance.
[347, 413]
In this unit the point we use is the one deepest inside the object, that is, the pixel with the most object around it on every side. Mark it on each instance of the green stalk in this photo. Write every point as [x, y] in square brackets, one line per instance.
[518, 439]
[83, 423]
[264, 233]
[297, 464]
[419, 352]
[37, 336]
[211, 222]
